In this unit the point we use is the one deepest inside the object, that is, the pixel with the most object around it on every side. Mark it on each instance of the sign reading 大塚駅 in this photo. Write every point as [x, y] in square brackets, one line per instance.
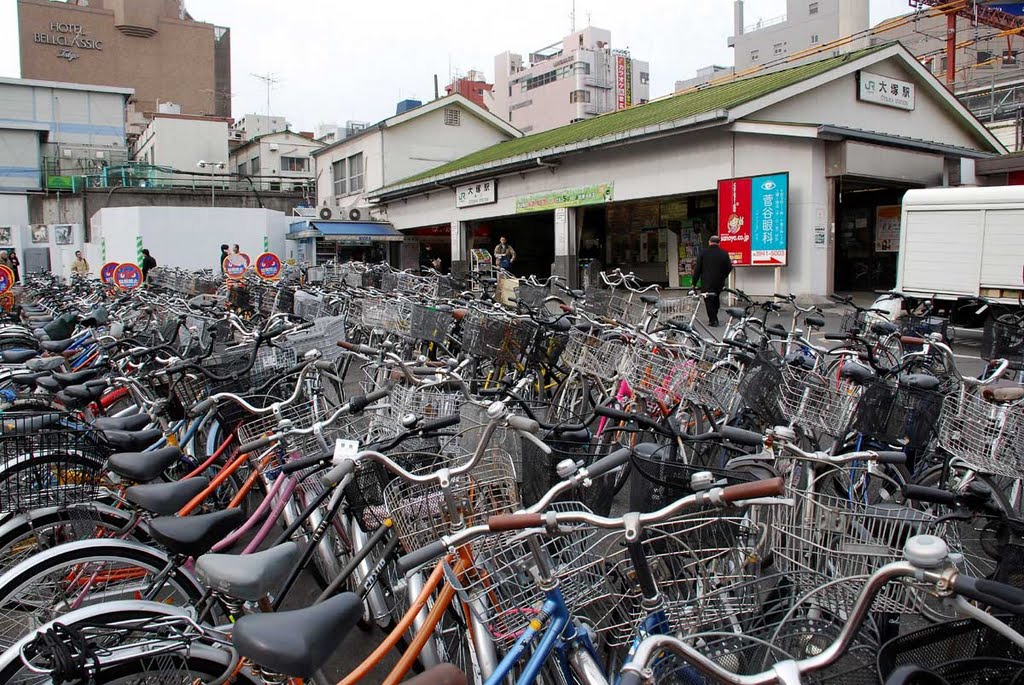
[596, 194]
[479, 193]
[67, 38]
[885, 90]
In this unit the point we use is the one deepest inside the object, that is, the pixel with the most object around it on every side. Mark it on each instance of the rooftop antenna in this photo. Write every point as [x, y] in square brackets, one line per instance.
[270, 80]
[572, 17]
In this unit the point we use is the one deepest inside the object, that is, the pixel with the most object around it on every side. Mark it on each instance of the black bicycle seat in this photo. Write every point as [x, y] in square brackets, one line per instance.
[56, 346]
[679, 324]
[736, 312]
[132, 441]
[76, 377]
[649, 299]
[28, 380]
[165, 499]
[143, 467]
[920, 381]
[249, 577]
[17, 356]
[884, 327]
[83, 393]
[135, 422]
[297, 643]
[858, 373]
[815, 321]
[191, 536]
[48, 383]
[776, 329]
[45, 363]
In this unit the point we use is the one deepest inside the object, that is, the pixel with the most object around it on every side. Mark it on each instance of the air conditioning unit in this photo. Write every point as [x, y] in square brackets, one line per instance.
[327, 213]
[101, 154]
[273, 147]
[67, 153]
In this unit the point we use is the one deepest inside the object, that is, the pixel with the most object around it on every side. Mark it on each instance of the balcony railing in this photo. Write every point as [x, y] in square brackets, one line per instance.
[133, 175]
[764, 23]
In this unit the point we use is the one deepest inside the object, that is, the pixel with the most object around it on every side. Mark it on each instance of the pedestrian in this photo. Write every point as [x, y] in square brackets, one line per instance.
[505, 254]
[148, 262]
[235, 249]
[712, 268]
[15, 263]
[223, 256]
[79, 266]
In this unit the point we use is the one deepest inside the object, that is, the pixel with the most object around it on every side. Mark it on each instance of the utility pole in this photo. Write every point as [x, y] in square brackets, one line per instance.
[270, 80]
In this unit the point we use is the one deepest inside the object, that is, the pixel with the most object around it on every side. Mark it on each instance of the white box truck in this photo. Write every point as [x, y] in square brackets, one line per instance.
[962, 243]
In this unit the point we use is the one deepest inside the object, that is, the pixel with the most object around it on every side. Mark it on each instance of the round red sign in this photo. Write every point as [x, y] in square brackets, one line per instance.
[127, 276]
[107, 272]
[235, 265]
[6, 279]
[268, 266]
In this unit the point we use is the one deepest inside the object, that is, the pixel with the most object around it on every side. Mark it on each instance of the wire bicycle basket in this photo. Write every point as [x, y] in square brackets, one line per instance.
[592, 355]
[986, 436]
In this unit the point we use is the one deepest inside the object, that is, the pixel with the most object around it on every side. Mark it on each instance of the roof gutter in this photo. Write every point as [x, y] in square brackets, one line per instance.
[532, 159]
[838, 133]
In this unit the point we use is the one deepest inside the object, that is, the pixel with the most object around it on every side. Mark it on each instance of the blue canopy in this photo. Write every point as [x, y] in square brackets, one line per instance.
[345, 230]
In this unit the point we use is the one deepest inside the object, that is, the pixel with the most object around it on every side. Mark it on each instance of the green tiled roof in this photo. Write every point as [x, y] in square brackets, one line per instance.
[673, 108]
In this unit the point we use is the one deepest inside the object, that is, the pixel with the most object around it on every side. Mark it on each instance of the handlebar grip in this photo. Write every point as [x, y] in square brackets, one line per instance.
[911, 340]
[439, 424]
[783, 297]
[991, 592]
[631, 678]
[423, 555]
[505, 522]
[921, 493]
[304, 463]
[202, 407]
[357, 404]
[741, 436]
[609, 462]
[358, 349]
[523, 423]
[891, 457]
[333, 477]
[425, 370]
[740, 344]
[759, 488]
[613, 413]
[255, 445]
[835, 336]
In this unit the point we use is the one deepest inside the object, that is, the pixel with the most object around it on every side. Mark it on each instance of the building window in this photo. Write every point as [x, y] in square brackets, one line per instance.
[294, 164]
[779, 48]
[755, 55]
[645, 78]
[814, 39]
[540, 80]
[942, 64]
[340, 179]
[275, 186]
[255, 163]
[812, 8]
[355, 172]
[452, 116]
[579, 96]
[243, 168]
[1009, 58]
[984, 59]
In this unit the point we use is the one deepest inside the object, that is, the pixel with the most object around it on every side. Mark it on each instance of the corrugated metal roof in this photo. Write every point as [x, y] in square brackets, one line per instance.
[683, 106]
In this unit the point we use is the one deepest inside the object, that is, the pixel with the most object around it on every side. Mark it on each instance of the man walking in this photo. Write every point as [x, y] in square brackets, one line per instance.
[148, 262]
[712, 268]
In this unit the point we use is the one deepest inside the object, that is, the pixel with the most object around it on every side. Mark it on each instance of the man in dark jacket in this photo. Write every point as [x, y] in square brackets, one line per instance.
[148, 262]
[712, 268]
[223, 256]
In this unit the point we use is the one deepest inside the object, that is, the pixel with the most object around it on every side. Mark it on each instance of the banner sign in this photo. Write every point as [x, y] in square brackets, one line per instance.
[887, 228]
[620, 82]
[127, 276]
[268, 266]
[629, 82]
[107, 272]
[235, 265]
[596, 194]
[753, 219]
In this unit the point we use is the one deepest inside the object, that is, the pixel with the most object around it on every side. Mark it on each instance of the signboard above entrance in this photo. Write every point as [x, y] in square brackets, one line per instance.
[885, 90]
[596, 194]
[473, 194]
[753, 219]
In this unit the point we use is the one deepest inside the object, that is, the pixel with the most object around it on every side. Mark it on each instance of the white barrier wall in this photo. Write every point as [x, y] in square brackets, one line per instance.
[188, 237]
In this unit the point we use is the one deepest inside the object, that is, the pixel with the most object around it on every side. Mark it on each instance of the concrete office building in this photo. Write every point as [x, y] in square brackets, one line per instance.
[577, 78]
[254, 125]
[474, 87]
[807, 25]
[276, 161]
[178, 142]
[152, 46]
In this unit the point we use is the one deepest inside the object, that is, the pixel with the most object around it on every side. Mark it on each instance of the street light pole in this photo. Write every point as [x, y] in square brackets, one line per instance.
[202, 164]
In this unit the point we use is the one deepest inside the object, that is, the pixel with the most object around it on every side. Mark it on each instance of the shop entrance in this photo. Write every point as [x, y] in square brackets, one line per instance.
[867, 239]
[532, 236]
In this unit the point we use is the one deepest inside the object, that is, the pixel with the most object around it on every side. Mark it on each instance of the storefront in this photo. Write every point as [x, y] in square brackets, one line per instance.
[316, 242]
[638, 189]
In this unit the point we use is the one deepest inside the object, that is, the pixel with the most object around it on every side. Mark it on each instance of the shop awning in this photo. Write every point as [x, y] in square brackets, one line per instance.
[345, 231]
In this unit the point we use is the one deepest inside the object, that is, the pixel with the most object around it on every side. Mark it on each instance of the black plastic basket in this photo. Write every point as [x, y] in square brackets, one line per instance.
[1004, 340]
[963, 652]
[430, 323]
[852, 322]
[657, 479]
[922, 326]
[760, 387]
[893, 413]
[532, 296]
[52, 466]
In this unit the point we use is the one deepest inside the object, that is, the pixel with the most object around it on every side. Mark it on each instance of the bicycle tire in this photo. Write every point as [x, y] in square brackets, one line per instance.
[22, 585]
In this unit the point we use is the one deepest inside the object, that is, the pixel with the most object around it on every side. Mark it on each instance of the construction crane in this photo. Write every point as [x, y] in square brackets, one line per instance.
[994, 13]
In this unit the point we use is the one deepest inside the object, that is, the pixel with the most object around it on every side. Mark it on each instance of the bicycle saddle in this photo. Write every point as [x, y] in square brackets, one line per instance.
[28, 380]
[815, 321]
[132, 441]
[191, 536]
[17, 356]
[736, 312]
[142, 467]
[75, 394]
[135, 422]
[442, 674]
[858, 373]
[56, 346]
[48, 383]
[776, 329]
[44, 363]
[919, 381]
[76, 377]
[297, 643]
[649, 299]
[884, 327]
[30, 424]
[679, 324]
[249, 577]
[165, 499]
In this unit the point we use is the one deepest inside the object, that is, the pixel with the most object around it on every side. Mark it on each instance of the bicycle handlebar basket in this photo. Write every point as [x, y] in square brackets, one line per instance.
[986, 436]
[592, 355]
[1004, 340]
[899, 415]
[503, 340]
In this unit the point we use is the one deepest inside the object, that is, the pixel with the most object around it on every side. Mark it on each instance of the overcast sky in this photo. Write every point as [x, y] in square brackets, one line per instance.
[355, 59]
